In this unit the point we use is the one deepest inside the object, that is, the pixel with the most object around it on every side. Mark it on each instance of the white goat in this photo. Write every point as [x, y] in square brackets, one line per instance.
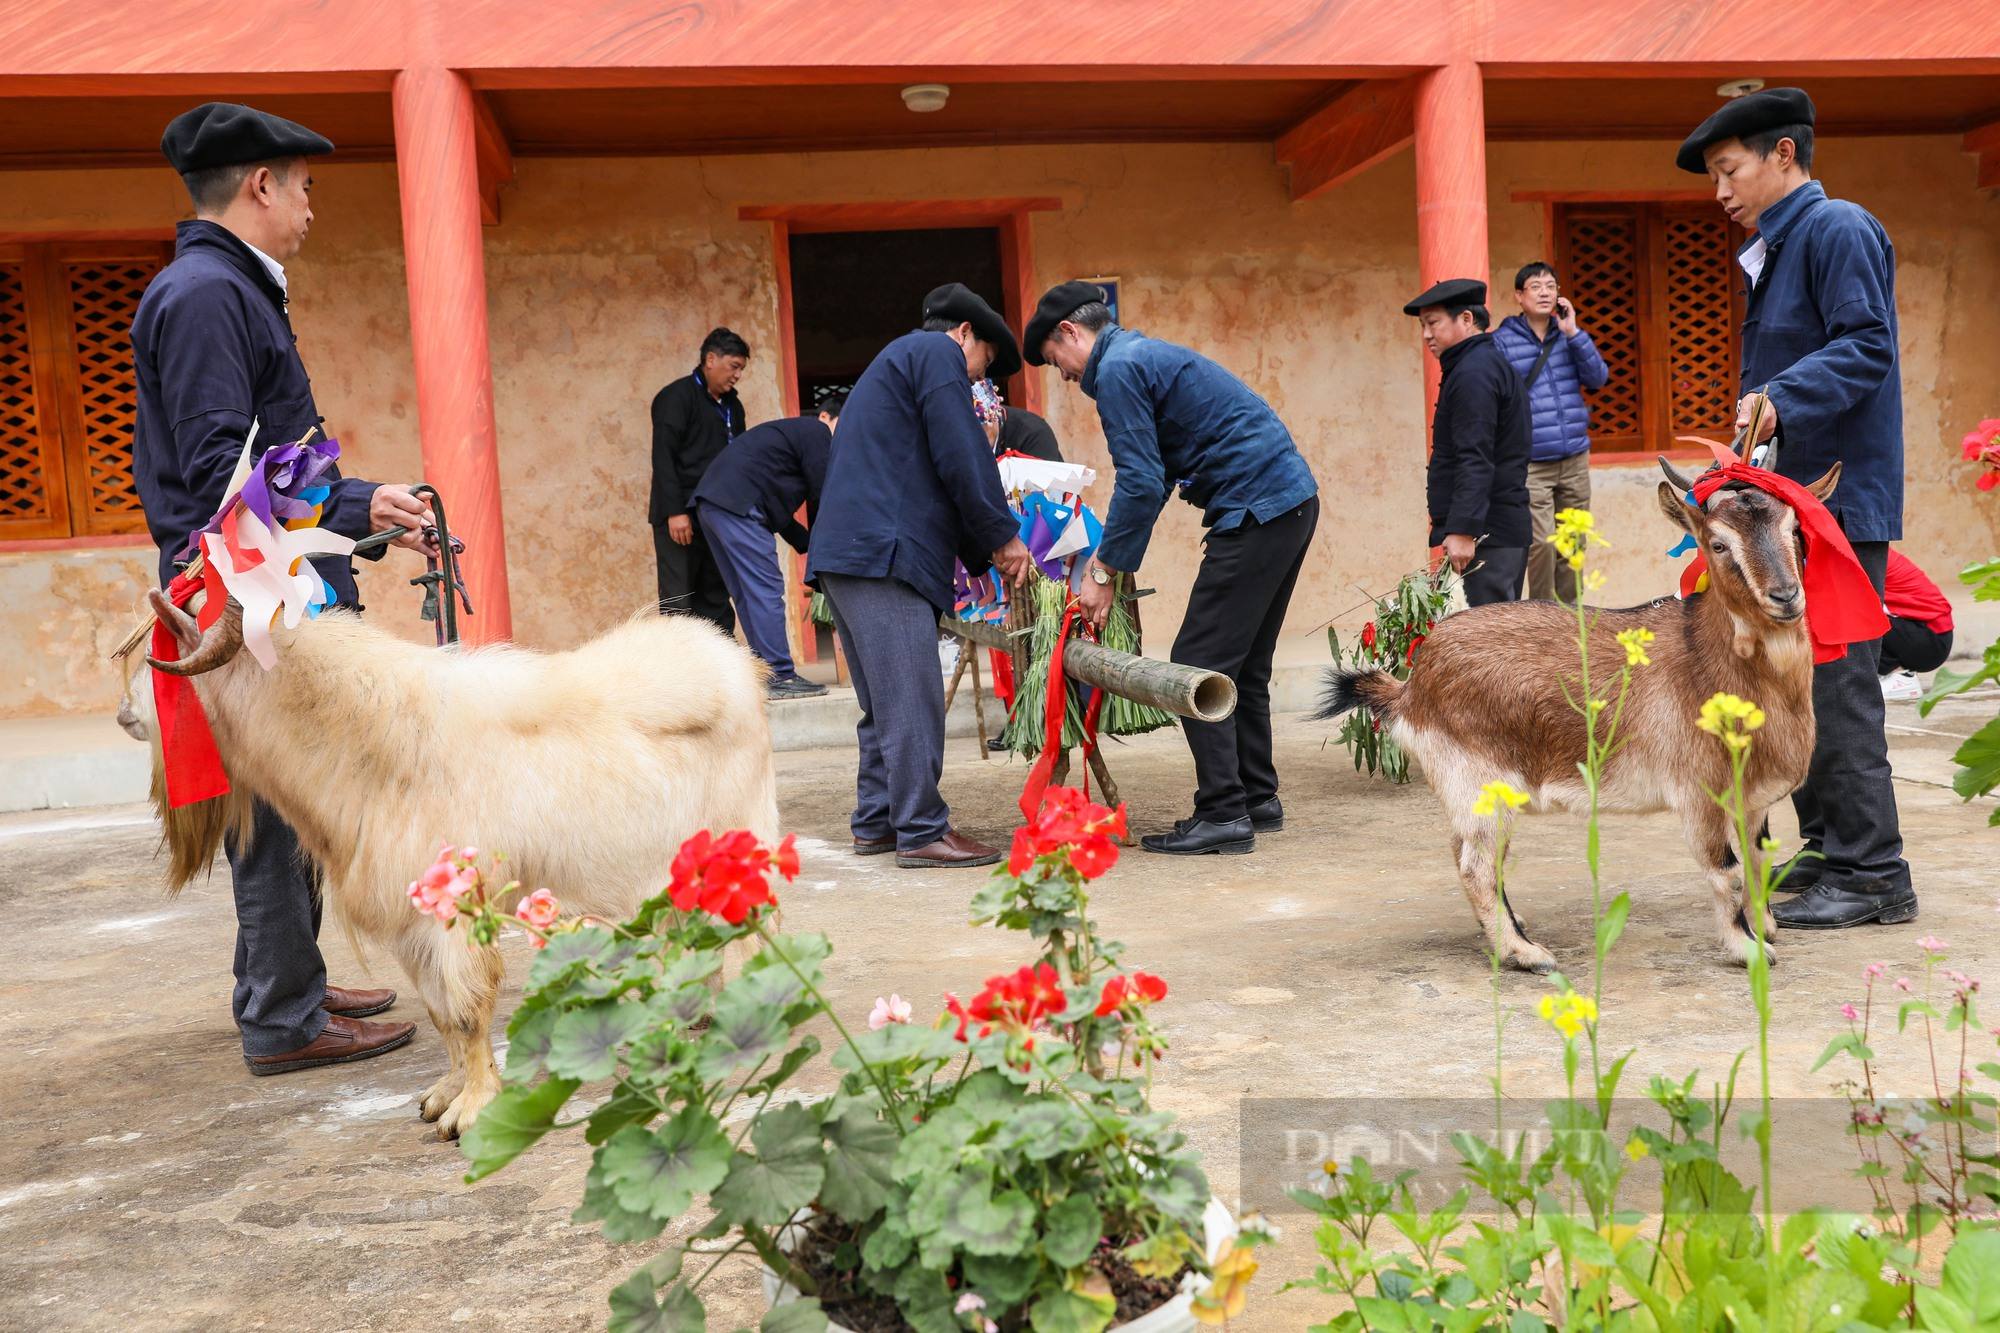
[588, 768]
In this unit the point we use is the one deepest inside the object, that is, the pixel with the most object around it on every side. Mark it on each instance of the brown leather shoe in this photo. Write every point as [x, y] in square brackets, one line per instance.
[874, 846]
[356, 1003]
[953, 849]
[344, 1039]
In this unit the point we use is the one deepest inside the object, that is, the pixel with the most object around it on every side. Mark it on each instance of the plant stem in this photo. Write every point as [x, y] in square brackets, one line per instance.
[874, 1075]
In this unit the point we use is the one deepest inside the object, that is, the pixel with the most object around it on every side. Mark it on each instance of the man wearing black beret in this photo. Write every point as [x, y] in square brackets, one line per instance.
[1173, 417]
[213, 350]
[910, 490]
[1821, 376]
[1477, 481]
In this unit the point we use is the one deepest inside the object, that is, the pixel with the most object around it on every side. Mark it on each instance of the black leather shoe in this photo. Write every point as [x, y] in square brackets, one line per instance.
[1800, 873]
[995, 745]
[1268, 816]
[1830, 906]
[1199, 837]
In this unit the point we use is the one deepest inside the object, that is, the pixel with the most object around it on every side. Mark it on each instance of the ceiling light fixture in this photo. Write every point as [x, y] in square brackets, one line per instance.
[922, 97]
[1738, 87]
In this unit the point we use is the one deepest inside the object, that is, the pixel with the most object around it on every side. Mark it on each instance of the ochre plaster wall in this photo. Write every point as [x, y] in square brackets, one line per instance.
[604, 274]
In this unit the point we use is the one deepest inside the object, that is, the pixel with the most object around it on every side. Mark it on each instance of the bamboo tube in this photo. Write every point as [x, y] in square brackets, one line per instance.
[1206, 696]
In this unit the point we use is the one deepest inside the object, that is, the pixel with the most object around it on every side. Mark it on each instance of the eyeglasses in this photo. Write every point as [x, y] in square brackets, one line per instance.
[1541, 289]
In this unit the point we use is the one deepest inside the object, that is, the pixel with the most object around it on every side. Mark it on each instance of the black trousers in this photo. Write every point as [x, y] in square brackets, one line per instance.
[1911, 645]
[1495, 574]
[1847, 807]
[690, 580]
[280, 976]
[1233, 618]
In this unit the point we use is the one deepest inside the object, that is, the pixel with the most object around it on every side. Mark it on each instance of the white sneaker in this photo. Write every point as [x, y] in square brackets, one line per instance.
[1899, 686]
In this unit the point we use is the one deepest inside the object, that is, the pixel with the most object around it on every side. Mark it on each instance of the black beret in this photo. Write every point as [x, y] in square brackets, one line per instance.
[1057, 304]
[961, 305]
[1454, 294]
[223, 134]
[1771, 109]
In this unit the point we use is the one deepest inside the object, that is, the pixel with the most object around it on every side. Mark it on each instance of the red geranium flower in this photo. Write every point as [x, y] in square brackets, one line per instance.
[1018, 1000]
[729, 876]
[1368, 636]
[1412, 658]
[1139, 988]
[1069, 821]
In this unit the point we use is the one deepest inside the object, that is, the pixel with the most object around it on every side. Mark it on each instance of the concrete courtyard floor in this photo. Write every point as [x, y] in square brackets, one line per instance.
[147, 1182]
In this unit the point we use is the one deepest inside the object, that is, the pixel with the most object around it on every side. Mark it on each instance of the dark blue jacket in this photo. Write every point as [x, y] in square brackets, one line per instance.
[1558, 418]
[1477, 482]
[768, 472]
[213, 350]
[1174, 417]
[911, 486]
[1820, 332]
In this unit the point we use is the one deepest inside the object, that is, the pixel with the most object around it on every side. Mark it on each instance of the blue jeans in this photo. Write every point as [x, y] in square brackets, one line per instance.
[749, 563]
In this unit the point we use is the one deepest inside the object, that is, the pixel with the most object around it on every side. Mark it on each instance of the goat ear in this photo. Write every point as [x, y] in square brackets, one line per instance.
[1678, 511]
[1824, 486]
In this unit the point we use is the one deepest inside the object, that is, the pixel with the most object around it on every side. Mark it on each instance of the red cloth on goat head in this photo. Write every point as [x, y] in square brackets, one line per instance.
[1842, 606]
[188, 755]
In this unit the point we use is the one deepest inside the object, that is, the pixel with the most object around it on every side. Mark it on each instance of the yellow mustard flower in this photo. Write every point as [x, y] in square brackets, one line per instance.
[1574, 535]
[1593, 580]
[1496, 794]
[1635, 1148]
[1568, 1013]
[1634, 642]
[1731, 719]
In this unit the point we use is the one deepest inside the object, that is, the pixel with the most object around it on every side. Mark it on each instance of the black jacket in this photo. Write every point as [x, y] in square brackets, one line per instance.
[1478, 481]
[212, 351]
[772, 469]
[689, 430]
[1027, 433]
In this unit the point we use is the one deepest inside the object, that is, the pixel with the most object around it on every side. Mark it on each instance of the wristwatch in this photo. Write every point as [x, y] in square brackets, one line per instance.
[1099, 574]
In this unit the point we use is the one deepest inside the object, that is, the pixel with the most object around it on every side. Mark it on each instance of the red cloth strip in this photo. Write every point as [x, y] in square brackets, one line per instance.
[1054, 710]
[187, 747]
[1842, 606]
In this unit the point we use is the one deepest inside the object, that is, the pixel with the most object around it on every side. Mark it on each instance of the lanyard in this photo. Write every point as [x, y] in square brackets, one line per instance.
[728, 425]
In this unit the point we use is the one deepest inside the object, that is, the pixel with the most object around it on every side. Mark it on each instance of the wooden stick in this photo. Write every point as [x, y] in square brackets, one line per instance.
[957, 674]
[978, 695]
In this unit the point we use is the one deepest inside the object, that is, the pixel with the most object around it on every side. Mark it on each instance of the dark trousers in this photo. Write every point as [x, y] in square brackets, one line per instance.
[690, 581]
[280, 976]
[1847, 807]
[1911, 645]
[1495, 574]
[1234, 614]
[743, 550]
[891, 637]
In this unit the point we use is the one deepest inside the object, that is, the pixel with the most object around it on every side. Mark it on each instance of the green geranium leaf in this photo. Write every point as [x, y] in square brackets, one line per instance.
[1071, 1230]
[861, 1149]
[1972, 1275]
[586, 1041]
[660, 1171]
[1002, 1279]
[973, 1219]
[528, 1039]
[567, 953]
[1181, 1192]
[887, 1246]
[783, 1177]
[634, 1309]
[1072, 1312]
[773, 1079]
[800, 1315]
[511, 1123]
[894, 1043]
[806, 953]
[1979, 762]
[741, 1033]
[925, 1301]
[657, 1056]
[624, 1107]
[621, 1226]
[772, 987]
[1046, 1128]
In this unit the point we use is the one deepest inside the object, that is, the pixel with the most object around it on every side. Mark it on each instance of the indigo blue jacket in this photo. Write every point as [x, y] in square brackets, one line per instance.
[768, 473]
[213, 349]
[910, 483]
[1173, 417]
[1819, 335]
[1558, 418]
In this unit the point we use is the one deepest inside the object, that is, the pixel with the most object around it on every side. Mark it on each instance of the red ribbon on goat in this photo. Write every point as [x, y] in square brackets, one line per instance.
[1842, 606]
[192, 764]
[1055, 710]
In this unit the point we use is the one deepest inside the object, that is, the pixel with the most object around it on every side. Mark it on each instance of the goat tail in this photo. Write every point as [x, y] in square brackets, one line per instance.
[192, 834]
[1344, 690]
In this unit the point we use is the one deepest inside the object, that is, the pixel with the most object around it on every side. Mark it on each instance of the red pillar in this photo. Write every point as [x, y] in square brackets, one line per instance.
[1451, 186]
[438, 175]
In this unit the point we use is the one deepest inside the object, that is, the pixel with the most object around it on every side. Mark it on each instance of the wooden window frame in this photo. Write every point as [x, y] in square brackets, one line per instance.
[58, 377]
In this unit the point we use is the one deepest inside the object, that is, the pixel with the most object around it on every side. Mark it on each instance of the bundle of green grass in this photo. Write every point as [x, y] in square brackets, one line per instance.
[1027, 722]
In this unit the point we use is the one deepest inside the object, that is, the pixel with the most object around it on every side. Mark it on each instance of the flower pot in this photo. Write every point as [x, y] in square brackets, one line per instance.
[1176, 1316]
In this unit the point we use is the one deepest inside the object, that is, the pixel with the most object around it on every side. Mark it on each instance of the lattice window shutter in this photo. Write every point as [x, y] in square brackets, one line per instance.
[33, 500]
[103, 291]
[1601, 260]
[1701, 334]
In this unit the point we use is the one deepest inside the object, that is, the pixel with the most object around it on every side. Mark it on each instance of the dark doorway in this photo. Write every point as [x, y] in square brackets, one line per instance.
[854, 292]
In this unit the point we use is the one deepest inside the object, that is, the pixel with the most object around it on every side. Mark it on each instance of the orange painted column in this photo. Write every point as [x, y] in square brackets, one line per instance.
[438, 175]
[1451, 187]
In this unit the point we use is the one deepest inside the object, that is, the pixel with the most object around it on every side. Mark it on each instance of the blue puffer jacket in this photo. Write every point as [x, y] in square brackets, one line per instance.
[1558, 418]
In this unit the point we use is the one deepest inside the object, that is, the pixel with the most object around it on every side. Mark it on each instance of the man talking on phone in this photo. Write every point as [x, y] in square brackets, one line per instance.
[1557, 361]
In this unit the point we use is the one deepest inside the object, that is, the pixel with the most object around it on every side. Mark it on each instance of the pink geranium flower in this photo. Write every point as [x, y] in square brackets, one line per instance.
[539, 909]
[1849, 1012]
[892, 1009]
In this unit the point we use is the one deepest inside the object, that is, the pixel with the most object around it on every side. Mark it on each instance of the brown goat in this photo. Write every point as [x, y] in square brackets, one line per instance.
[1486, 701]
[588, 768]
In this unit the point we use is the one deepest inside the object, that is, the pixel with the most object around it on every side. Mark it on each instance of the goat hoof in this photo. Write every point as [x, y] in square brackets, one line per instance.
[438, 1099]
[1536, 960]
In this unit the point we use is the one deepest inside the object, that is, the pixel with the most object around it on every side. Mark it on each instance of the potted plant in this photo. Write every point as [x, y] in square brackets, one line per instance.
[1000, 1169]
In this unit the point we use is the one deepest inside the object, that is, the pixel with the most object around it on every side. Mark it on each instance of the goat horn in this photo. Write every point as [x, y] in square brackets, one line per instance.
[1681, 484]
[220, 642]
